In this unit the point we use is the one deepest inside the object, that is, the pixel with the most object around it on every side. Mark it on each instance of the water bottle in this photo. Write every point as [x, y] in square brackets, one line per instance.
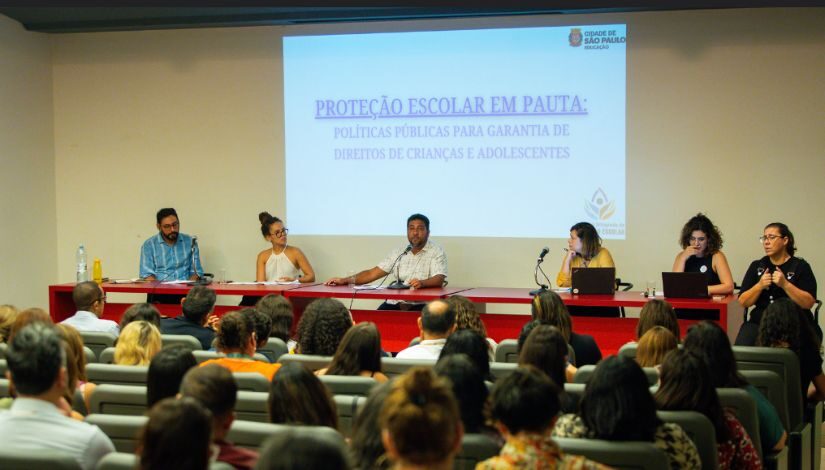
[80, 257]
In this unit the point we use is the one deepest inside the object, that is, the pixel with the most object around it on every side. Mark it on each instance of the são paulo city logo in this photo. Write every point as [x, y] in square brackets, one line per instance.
[599, 207]
[575, 37]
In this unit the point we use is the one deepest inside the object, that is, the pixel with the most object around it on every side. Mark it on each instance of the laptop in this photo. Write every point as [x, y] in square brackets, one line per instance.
[685, 285]
[594, 281]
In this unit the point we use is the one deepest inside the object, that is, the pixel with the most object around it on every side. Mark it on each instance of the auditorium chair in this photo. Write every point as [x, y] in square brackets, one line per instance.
[274, 348]
[3, 347]
[770, 384]
[45, 459]
[79, 403]
[252, 435]
[115, 374]
[252, 406]
[122, 429]
[4, 388]
[188, 341]
[393, 366]
[3, 367]
[699, 429]
[90, 355]
[500, 370]
[97, 341]
[202, 356]
[619, 455]
[129, 461]
[507, 351]
[106, 355]
[347, 408]
[251, 381]
[584, 373]
[118, 400]
[348, 385]
[743, 406]
[576, 392]
[474, 449]
[310, 361]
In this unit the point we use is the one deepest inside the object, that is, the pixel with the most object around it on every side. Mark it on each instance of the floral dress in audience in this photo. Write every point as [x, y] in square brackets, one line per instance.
[738, 451]
[669, 437]
[527, 450]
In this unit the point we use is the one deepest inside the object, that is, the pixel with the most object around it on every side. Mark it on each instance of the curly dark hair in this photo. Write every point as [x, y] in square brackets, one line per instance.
[702, 222]
[323, 325]
[466, 315]
[360, 350]
[235, 329]
[780, 323]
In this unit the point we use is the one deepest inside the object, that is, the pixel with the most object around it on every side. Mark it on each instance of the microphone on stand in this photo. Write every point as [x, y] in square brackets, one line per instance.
[204, 280]
[398, 284]
[542, 287]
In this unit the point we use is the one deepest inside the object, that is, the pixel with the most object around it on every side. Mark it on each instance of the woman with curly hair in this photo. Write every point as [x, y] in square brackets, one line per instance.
[701, 252]
[467, 317]
[323, 325]
[137, 344]
[358, 354]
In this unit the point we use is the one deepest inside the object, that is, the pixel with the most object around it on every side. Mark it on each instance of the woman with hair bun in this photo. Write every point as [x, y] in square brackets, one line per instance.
[281, 262]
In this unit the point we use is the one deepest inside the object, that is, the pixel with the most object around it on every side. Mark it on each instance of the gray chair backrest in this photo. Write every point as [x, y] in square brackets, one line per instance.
[252, 435]
[3, 347]
[781, 361]
[115, 374]
[252, 381]
[43, 459]
[260, 357]
[97, 341]
[106, 355]
[4, 388]
[584, 373]
[251, 406]
[619, 455]
[122, 430]
[90, 355]
[628, 350]
[500, 370]
[742, 404]
[507, 351]
[79, 403]
[348, 385]
[187, 341]
[310, 361]
[576, 392]
[4, 366]
[202, 356]
[129, 400]
[347, 408]
[770, 384]
[129, 461]
[275, 347]
[393, 366]
[700, 430]
[474, 449]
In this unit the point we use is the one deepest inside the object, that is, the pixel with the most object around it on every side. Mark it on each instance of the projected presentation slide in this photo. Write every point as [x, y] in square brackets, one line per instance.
[490, 133]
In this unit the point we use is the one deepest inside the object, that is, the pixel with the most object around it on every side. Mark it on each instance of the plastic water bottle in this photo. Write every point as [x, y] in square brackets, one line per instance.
[80, 258]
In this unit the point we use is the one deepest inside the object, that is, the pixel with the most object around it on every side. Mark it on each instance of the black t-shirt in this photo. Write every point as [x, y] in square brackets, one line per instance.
[797, 271]
[703, 265]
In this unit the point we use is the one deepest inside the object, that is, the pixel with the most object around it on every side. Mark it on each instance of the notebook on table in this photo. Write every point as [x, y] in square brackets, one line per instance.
[685, 285]
[600, 281]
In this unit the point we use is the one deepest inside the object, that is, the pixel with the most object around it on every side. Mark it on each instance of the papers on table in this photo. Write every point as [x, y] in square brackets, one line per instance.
[367, 287]
[263, 283]
[179, 281]
[125, 281]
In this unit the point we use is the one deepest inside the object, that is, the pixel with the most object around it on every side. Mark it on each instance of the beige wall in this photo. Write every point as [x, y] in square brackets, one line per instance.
[27, 205]
[725, 115]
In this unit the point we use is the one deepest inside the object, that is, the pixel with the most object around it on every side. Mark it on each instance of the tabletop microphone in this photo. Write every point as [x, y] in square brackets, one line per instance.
[398, 284]
[543, 253]
[542, 287]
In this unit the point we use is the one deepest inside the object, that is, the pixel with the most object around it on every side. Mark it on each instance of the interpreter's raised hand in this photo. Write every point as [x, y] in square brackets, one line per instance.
[778, 278]
[765, 281]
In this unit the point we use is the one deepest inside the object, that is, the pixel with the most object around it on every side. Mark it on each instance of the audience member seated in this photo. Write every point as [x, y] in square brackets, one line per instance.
[8, 313]
[137, 345]
[263, 326]
[420, 422]
[548, 306]
[90, 301]
[358, 354]
[177, 436]
[141, 311]
[436, 323]
[708, 340]
[469, 389]
[27, 317]
[236, 339]
[216, 389]
[196, 318]
[300, 449]
[685, 384]
[322, 326]
[525, 405]
[467, 317]
[654, 344]
[166, 371]
[617, 406]
[76, 366]
[545, 349]
[472, 344]
[38, 419]
[366, 447]
[279, 310]
[296, 396]
[657, 312]
[788, 327]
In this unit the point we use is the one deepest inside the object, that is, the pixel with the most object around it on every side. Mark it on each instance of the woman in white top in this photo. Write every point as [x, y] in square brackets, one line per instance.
[281, 262]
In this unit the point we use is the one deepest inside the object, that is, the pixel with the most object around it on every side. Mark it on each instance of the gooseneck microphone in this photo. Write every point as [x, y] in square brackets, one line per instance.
[192, 255]
[542, 287]
[398, 284]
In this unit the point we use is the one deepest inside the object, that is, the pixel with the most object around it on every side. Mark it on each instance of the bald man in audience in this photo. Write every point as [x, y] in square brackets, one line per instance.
[436, 323]
[90, 300]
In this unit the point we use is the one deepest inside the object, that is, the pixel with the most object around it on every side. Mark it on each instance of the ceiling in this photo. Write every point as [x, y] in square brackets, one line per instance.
[48, 19]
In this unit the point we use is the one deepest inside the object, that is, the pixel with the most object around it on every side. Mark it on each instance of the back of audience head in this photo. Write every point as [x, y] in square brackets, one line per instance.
[653, 345]
[75, 356]
[466, 315]
[85, 294]
[657, 312]
[420, 421]
[617, 405]
[360, 350]
[297, 396]
[175, 425]
[548, 306]
[783, 326]
[708, 340]
[367, 448]
[8, 313]
[473, 345]
[198, 304]
[526, 330]
[27, 317]
[137, 344]
[526, 400]
[236, 333]
[303, 449]
[263, 326]
[279, 310]
[437, 320]
[546, 350]
[215, 388]
[166, 371]
[36, 360]
[142, 311]
[468, 388]
[323, 325]
[685, 384]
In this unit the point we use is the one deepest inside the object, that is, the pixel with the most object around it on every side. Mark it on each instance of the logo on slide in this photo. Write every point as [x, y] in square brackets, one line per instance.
[599, 207]
[575, 37]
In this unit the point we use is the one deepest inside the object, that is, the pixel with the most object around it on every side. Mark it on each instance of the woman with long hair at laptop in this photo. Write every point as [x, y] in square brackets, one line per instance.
[701, 252]
[585, 250]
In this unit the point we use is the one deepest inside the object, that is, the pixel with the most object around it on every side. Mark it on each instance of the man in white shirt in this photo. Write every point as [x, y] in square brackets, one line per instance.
[90, 300]
[38, 418]
[418, 265]
[436, 323]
